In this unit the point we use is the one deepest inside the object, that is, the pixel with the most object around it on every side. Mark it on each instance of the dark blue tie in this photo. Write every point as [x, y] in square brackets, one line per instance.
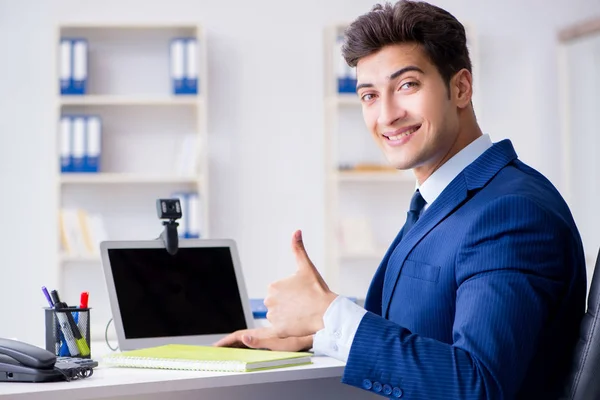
[416, 205]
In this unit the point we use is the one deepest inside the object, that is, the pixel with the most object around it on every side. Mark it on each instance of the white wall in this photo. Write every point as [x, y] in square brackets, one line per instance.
[266, 119]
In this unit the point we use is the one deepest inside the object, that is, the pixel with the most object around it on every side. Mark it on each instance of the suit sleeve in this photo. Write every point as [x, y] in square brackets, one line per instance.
[509, 274]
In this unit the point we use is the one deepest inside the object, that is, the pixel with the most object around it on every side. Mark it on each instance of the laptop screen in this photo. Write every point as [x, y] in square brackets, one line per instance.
[193, 292]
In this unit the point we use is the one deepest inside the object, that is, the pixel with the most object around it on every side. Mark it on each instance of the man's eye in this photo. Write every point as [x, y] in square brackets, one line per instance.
[409, 85]
[368, 97]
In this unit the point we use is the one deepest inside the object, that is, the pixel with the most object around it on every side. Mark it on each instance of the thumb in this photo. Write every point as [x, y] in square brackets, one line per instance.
[302, 258]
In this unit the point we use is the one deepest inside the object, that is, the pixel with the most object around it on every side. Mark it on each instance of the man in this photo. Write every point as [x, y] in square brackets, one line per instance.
[481, 293]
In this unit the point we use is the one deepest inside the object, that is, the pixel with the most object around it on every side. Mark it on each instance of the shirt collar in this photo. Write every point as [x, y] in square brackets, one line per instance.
[437, 182]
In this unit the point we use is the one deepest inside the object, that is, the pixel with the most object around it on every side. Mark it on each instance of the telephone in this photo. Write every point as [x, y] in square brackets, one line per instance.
[23, 362]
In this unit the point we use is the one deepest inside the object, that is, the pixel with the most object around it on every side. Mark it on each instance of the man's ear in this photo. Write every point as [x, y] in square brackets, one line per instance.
[462, 88]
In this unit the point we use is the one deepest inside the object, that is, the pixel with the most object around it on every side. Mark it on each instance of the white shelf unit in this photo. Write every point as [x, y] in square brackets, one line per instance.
[378, 200]
[372, 199]
[578, 51]
[145, 132]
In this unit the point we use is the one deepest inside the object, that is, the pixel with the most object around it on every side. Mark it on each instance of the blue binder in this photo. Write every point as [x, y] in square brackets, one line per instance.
[193, 221]
[65, 66]
[80, 68]
[191, 66]
[177, 71]
[183, 222]
[93, 144]
[346, 77]
[73, 66]
[66, 148]
[259, 311]
[78, 144]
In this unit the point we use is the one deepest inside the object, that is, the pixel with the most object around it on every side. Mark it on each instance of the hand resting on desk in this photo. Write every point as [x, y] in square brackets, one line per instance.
[265, 338]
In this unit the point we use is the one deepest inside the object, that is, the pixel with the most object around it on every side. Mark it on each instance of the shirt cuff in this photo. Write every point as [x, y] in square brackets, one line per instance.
[341, 321]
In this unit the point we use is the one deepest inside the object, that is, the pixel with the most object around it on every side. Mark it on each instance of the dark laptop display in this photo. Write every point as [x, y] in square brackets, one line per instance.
[193, 292]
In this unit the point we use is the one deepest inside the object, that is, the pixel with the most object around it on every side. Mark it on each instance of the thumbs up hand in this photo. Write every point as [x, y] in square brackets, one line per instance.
[296, 305]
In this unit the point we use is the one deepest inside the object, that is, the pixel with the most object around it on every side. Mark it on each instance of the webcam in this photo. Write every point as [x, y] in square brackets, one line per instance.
[168, 209]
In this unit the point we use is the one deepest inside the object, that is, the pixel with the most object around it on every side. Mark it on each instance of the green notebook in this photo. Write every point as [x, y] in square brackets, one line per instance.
[206, 358]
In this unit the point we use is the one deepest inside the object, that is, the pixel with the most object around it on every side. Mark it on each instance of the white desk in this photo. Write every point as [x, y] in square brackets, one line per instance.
[321, 380]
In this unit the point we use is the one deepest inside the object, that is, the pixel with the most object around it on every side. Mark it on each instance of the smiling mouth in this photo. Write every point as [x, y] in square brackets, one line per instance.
[403, 134]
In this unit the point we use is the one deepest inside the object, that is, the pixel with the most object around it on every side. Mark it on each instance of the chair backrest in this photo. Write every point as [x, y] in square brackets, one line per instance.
[584, 378]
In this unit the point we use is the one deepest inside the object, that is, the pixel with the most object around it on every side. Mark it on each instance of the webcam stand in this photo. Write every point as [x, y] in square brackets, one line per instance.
[170, 237]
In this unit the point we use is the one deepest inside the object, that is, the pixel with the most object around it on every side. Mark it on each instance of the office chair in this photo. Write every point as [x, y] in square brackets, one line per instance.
[583, 382]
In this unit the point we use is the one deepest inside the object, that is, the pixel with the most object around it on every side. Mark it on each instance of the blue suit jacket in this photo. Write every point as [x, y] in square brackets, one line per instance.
[482, 298]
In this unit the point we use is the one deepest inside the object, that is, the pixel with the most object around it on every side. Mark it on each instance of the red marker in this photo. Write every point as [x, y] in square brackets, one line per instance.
[83, 302]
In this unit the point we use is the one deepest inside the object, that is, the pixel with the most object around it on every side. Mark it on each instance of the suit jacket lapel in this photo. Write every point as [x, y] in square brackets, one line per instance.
[373, 299]
[474, 176]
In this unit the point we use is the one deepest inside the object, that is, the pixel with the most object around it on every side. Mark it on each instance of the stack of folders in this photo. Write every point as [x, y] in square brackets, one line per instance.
[346, 76]
[81, 232]
[73, 66]
[190, 224]
[80, 143]
[206, 358]
[184, 65]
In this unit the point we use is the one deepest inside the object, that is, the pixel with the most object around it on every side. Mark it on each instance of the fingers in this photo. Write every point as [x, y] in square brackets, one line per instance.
[264, 338]
[232, 340]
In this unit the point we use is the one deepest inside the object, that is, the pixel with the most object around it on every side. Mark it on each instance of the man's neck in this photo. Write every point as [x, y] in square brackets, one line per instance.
[467, 135]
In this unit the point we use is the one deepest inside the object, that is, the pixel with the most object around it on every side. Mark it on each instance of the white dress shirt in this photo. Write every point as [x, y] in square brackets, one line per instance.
[342, 318]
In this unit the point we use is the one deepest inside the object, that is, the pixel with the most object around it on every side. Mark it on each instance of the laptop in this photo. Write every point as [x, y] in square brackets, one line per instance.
[196, 296]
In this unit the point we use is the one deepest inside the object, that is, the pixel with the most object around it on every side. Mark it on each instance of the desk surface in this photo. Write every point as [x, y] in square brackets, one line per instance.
[117, 382]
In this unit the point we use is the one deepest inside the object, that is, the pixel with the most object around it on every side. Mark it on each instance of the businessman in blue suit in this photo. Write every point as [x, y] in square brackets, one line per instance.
[481, 293]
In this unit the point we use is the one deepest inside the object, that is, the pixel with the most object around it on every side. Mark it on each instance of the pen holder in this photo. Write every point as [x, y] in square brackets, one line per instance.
[68, 332]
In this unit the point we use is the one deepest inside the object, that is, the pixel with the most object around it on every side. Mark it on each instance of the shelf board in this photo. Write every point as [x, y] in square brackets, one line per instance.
[66, 258]
[116, 178]
[373, 176]
[117, 25]
[121, 100]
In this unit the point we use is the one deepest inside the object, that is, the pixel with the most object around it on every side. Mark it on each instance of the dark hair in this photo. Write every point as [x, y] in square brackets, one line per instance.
[441, 36]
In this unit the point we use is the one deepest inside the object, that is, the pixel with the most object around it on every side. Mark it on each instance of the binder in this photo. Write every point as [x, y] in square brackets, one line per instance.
[66, 155]
[80, 67]
[177, 66]
[346, 77]
[78, 147]
[93, 144]
[182, 229]
[191, 66]
[65, 66]
[206, 358]
[193, 222]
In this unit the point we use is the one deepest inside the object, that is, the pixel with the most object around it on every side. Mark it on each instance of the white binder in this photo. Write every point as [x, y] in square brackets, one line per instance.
[182, 229]
[177, 66]
[65, 66]
[191, 66]
[66, 162]
[80, 67]
[194, 230]
[78, 141]
[93, 144]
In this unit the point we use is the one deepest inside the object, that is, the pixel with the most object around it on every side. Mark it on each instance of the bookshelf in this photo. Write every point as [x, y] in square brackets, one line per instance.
[577, 56]
[365, 200]
[153, 145]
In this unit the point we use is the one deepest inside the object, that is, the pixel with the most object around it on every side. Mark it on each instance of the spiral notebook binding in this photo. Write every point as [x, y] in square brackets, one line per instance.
[177, 364]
